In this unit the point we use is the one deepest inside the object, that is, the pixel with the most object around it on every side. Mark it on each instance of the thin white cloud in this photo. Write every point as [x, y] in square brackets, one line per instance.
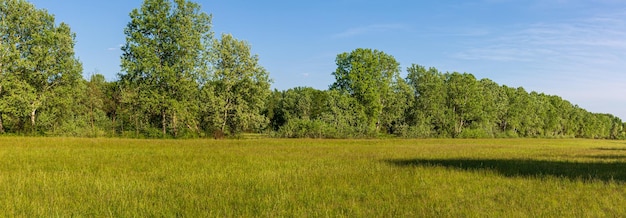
[593, 41]
[115, 48]
[376, 28]
[581, 60]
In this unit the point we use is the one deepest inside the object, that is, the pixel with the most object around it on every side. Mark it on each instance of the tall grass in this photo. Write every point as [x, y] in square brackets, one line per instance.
[305, 177]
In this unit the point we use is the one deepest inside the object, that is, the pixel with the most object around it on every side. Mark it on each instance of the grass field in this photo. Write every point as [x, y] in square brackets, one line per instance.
[312, 178]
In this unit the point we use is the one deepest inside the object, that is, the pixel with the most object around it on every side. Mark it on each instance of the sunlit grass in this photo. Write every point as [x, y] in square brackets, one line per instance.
[305, 177]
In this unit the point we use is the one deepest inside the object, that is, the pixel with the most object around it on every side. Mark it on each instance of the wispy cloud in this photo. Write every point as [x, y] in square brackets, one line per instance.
[376, 28]
[580, 59]
[597, 40]
[115, 48]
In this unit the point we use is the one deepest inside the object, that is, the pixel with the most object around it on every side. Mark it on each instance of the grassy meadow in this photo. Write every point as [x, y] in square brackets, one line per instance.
[312, 178]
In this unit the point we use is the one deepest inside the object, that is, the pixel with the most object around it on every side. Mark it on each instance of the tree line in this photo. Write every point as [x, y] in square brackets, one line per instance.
[180, 81]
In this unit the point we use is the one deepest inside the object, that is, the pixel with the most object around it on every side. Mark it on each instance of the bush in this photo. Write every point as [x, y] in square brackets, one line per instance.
[305, 128]
[421, 131]
[218, 134]
[474, 133]
[301, 128]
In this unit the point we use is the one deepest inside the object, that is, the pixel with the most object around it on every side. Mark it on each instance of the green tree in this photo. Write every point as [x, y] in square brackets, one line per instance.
[428, 113]
[38, 72]
[14, 101]
[616, 129]
[347, 115]
[164, 59]
[494, 107]
[112, 105]
[535, 109]
[237, 89]
[369, 76]
[97, 100]
[464, 101]
[274, 110]
[394, 119]
[303, 103]
[298, 112]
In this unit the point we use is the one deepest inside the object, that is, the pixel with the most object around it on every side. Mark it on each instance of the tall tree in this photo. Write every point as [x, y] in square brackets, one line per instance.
[38, 68]
[369, 76]
[464, 100]
[346, 114]
[239, 87]
[164, 59]
[494, 107]
[397, 107]
[429, 110]
[302, 103]
[112, 105]
[274, 110]
[95, 100]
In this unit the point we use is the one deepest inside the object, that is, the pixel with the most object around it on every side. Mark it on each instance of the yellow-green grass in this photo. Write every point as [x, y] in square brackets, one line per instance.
[312, 178]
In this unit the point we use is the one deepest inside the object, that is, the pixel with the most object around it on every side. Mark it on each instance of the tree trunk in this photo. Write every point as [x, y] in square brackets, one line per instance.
[225, 115]
[174, 125]
[1, 124]
[32, 119]
[92, 119]
[113, 126]
[163, 123]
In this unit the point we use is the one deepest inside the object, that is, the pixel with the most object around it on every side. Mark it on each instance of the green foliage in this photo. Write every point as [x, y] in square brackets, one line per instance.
[305, 128]
[464, 101]
[429, 111]
[417, 131]
[238, 88]
[178, 81]
[164, 60]
[306, 112]
[368, 76]
[459, 105]
[38, 70]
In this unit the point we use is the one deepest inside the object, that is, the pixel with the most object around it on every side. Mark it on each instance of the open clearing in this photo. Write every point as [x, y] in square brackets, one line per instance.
[305, 177]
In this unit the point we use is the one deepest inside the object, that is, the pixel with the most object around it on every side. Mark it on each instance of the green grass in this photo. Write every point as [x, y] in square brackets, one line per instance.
[312, 178]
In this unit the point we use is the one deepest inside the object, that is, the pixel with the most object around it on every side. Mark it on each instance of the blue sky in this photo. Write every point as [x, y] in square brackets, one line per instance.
[572, 48]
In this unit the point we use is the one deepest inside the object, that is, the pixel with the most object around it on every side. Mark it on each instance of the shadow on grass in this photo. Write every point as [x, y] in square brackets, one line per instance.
[611, 149]
[594, 171]
[608, 157]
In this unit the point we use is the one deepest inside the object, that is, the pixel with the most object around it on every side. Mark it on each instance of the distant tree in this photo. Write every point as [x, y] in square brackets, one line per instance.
[98, 100]
[347, 115]
[299, 113]
[112, 105]
[274, 110]
[303, 103]
[534, 121]
[465, 101]
[568, 121]
[429, 110]
[237, 89]
[394, 119]
[164, 61]
[617, 128]
[494, 106]
[554, 115]
[38, 70]
[368, 76]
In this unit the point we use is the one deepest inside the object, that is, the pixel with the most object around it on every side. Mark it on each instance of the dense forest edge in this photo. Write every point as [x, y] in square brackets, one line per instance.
[180, 81]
